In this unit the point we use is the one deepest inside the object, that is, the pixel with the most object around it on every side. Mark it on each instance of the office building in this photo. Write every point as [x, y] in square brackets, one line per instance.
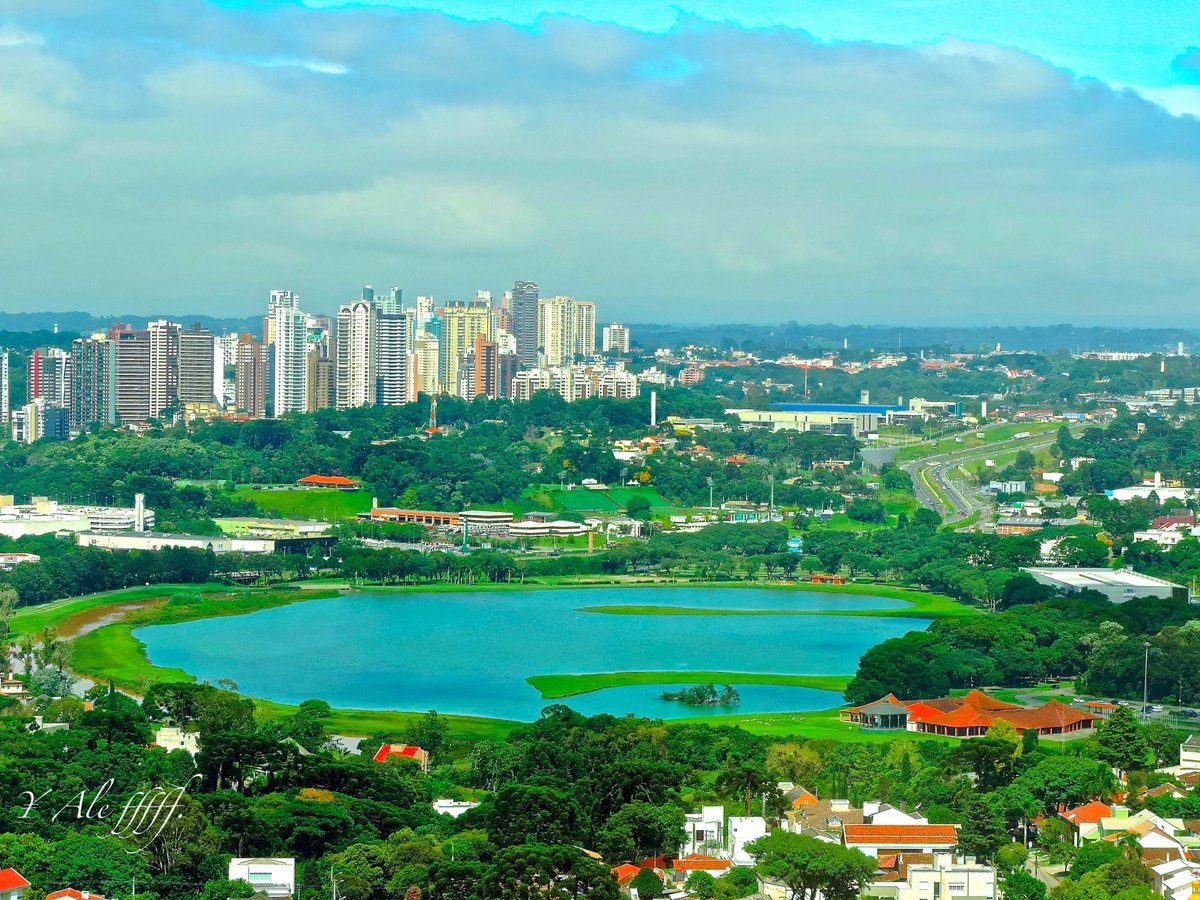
[93, 392]
[616, 338]
[200, 368]
[395, 363]
[250, 377]
[523, 321]
[164, 366]
[461, 323]
[356, 353]
[289, 379]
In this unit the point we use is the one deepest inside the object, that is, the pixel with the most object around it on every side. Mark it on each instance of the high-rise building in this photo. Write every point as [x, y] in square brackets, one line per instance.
[200, 369]
[133, 374]
[5, 399]
[424, 311]
[485, 377]
[556, 332]
[523, 321]
[616, 338]
[46, 375]
[93, 382]
[250, 377]
[164, 366]
[277, 299]
[321, 361]
[289, 379]
[395, 363]
[584, 325]
[37, 419]
[357, 349]
[461, 324]
[428, 364]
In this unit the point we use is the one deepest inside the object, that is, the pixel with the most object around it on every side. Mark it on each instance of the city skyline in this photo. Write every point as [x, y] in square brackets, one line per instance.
[779, 165]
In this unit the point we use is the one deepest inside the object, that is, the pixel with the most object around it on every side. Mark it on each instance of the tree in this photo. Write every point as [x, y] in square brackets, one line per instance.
[982, 832]
[1119, 741]
[926, 518]
[1011, 857]
[811, 868]
[638, 507]
[1020, 885]
[528, 814]
[795, 762]
[743, 780]
[548, 873]
[638, 828]
[647, 884]
[701, 885]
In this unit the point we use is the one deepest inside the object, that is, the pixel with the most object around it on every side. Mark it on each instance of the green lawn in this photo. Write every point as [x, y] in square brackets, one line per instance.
[365, 722]
[624, 494]
[553, 687]
[991, 435]
[896, 502]
[311, 503]
[35, 619]
[842, 522]
[819, 725]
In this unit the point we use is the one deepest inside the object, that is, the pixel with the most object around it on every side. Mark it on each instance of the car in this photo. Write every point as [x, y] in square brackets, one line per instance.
[1187, 713]
[1157, 708]
[1124, 703]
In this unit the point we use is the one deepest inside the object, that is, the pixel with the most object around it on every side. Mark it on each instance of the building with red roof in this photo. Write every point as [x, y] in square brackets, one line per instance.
[883, 840]
[968, 716]
[625, 873]
[72, 894]
[12, 884]
[329, 481]
[403, 751]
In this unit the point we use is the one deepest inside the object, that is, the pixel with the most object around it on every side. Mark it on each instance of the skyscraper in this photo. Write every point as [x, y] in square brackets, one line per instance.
[584, 325]
[523, 319]
[5, 399]
[461, 324]
[321, 360]
[277, 299]
[164, 366]
[290, 364]
[93, 382]
[251, 377]
[428, 364]
[46, 376]
[395, 364]
[199, 375]
[485, 381]
[133, 374]
[357, 349]
[556, 332]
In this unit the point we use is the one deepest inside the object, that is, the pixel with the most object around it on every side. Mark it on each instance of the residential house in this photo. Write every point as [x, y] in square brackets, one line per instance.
[72, 894]
[625, 873]
[453, 808]
[12, 885]
[704, 831]
[699, 862]
[1175, 879]
[273, 876]
[1189, 754]
[171, 738]
[968, 716]
[403, 751]
[1160, 839]
[743, 830]
[877, 840]
[14, 688]
[931, 876]
[1086, 819]
[876, 813]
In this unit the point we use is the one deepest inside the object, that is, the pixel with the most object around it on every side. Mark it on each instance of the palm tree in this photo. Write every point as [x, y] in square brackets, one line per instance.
[1131, 847]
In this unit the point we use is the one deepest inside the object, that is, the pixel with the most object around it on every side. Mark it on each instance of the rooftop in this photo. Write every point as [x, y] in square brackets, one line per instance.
[901, 835]
[1098, 578]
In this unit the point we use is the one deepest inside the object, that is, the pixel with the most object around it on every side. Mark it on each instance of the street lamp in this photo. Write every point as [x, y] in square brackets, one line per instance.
[1146, 682]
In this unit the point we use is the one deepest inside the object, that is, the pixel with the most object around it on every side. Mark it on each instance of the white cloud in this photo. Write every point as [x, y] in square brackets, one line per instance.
[14, 36]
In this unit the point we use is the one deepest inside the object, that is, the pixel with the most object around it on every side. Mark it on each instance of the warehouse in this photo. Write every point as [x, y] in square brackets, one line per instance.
[1118, 585]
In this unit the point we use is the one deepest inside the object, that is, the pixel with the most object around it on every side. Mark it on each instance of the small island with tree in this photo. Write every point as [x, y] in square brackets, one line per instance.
[704, 695]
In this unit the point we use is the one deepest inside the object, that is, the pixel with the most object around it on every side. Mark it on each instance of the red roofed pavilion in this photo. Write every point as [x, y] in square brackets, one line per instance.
[406, 751]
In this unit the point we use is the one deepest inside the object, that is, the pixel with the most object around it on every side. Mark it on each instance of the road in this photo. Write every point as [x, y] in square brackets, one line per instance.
[943, 474]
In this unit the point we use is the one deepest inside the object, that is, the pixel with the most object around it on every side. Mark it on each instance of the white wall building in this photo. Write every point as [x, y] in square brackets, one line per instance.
[356, 353]
[273, 876]
[942, 879]
[171, 738]
[741, 831]
[289, 331]
[704, 831]
[616, 338]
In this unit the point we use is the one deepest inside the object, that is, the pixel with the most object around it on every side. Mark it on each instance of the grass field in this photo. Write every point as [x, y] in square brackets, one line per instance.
[553, 687]
[818, 725]
[896, 502]
[35, 619]
[991, 435]
[313, 503]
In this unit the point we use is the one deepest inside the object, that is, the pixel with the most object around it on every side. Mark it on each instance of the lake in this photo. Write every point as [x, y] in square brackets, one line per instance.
[470, 653]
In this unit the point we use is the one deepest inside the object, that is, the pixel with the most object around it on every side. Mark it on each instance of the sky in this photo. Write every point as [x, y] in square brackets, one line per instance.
[897, 161]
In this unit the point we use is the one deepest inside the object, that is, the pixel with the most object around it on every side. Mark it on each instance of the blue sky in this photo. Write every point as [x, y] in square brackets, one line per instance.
[872, 161]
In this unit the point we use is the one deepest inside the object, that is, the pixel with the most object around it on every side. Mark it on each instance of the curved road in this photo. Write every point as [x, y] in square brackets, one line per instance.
[942, 476]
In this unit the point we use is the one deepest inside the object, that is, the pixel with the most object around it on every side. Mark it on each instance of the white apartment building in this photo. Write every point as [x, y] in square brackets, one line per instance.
[289, 335]
[357, 336]
[395, 364]
[942, 879]
[273, 876]
[704, 831]
[616, 338]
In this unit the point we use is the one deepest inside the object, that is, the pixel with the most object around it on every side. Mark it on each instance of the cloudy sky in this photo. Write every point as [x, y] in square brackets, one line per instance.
[878, 161]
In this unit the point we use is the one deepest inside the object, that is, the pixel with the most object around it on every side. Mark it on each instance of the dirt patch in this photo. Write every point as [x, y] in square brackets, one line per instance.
[98, 616]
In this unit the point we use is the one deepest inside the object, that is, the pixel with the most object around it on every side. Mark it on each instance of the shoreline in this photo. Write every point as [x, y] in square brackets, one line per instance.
[107, 648]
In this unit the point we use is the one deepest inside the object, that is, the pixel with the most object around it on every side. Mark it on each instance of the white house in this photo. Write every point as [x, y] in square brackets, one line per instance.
[12, 885]
[942, 879]
[743, 830]
[273, 876]
[876, 813]
[1189, 754]
[452, 808]
[704, 831]
[171, 738]
[1174, 879]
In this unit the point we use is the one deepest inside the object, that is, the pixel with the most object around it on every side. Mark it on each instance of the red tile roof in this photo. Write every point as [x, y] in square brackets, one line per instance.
[656, 862]
[10, 880]
[331, 480]
[901, 835]
[625, 873]
[400, 750]
[72, 894]
[698, 862]
[1089, 813]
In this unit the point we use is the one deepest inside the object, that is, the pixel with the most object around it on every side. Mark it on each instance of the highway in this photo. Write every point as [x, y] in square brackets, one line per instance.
[942, 476]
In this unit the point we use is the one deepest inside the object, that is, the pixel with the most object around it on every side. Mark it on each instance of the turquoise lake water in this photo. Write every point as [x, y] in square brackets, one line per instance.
[469, 653]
